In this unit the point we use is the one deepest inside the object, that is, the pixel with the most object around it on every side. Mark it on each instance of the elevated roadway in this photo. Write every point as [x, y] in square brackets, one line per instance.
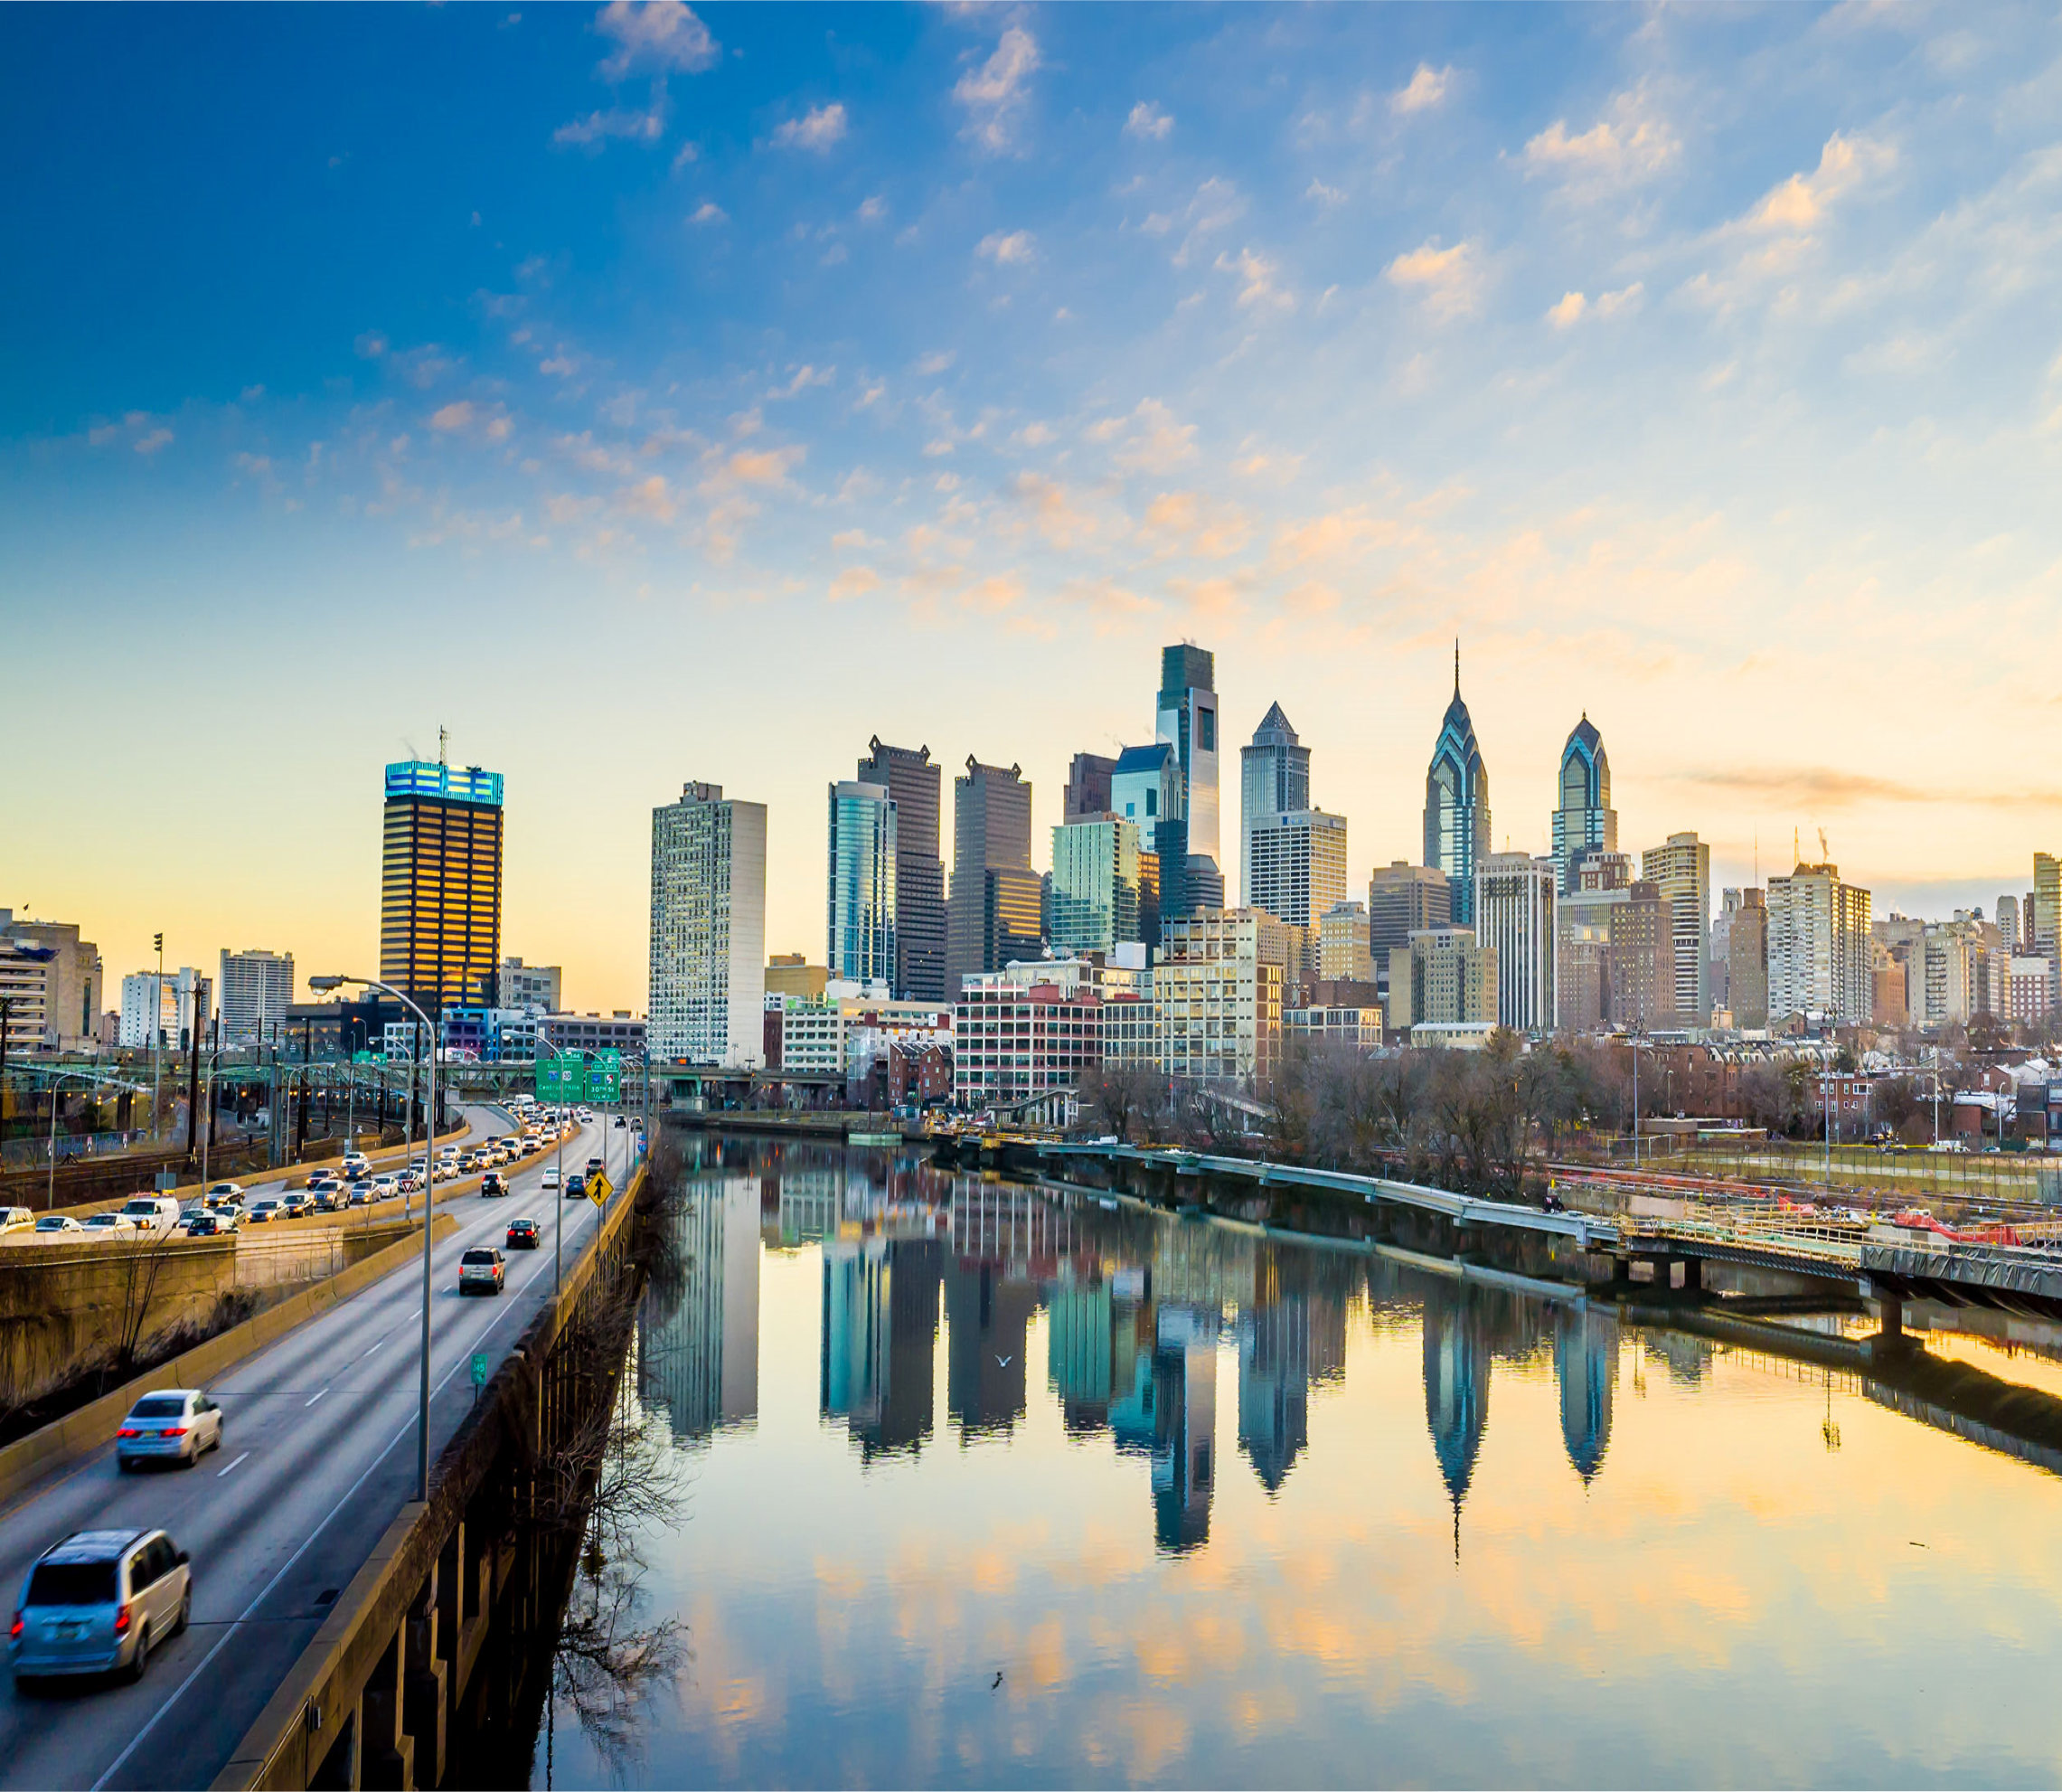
[318, 1457]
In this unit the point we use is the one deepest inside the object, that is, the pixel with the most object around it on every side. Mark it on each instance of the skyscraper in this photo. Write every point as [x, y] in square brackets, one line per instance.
[2044, 919]
[1514, 913]
[1820, 960]
[255, 987]
[912, 782]
[1403, 899]
[992, 914]
[440, 883]
[1273, 779]
[1682, 870]
[1296, 865]
[1088, 786]
[862, 896]
[1145, 789]
[1094, 884]
[1584, 817]
[1746, 951]
[1185, 717]
[1456, 803]
[708, 977]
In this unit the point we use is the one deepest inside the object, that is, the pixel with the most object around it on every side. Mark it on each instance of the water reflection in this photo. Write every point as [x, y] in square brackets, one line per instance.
[966, 1509]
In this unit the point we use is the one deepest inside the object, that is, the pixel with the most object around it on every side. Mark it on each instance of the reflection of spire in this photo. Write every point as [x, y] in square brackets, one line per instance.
[1184, 1427]
[1586, 1365]
[1456, 1391]
[1274, 1387]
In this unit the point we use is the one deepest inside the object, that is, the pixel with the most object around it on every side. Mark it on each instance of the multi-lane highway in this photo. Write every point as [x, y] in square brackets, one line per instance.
[318, 1457]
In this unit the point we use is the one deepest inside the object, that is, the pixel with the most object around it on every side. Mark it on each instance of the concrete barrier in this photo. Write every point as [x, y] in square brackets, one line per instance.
[79, 1433]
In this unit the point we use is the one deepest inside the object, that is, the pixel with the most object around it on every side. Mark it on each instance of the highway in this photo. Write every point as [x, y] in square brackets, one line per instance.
[318, 1456]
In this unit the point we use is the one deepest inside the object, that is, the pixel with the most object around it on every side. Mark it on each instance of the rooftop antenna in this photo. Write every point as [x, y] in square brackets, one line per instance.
[1457, 666]
[442, 745]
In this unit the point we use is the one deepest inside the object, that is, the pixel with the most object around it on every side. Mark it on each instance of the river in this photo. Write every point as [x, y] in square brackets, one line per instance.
[947, 1480]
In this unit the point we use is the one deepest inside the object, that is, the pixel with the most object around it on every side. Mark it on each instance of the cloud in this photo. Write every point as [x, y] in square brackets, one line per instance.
[1801, 203]
[803, 379]
[996, 93]
[872, 209]
[1574, 306]
[1149, 440]
[758, 466]
[1147, 122]
[661, 35]
[1016, 248]
[1424, 90]
[1058, 518]
[1834, 789]
[462, 417]
[370, 345]
[1632, 145]
[1256, 280]
[1189, 524]
[851, 540]
[994, 595]
[1449, 280]
[854, 581]
[1323, 195]
[454, 418]
[817, 129]
[625, 122]
[152, 440]
[937, 361]
[650, 498]
[708, 213]
[560, 366]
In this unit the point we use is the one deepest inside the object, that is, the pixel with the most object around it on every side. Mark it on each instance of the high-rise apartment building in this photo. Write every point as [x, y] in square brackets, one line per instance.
[912, 783]
[1819, 957]
[1185, 716]
[1641, 987]
[2008, 923]
[166, 1009]
[1514, 917]
[708, 970]
[1681, 870]
[1718, 964]
[1345, 944]
[2044, 905]
[1584, 819]
[1440, 977]
[440, 883]
[1088, 786]
[1296, 865]
[1456, 803]
[1403, 899]
[1219, 990]
[1274, 778]
[1746, 955]
[994, 914]
[860, 904]
[255, 987]
[1095, 884]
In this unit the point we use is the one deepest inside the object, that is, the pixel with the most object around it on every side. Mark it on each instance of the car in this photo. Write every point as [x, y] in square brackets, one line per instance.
[100, 1600]
[594, 1166]
[48, 1223]
[481, 1270]
[17, 1220]
[552, 1177]
[269, 1208]
[156, 1214]
[409, 1182]
[620, 1123]
[384, 1188]
[327, 1199]
[169, 1424]
[525, 1235]
[105, 1225]
[223, 1192]
[356, 1163]
[576, 1186]
[296, 1203]
[323, 1179]
[494, 1184]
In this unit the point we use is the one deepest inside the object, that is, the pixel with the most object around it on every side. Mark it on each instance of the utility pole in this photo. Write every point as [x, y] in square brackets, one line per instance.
[157, 1042]
[194, 1076]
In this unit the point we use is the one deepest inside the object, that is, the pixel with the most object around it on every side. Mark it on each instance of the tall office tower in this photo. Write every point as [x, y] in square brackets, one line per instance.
[1456, 803]
[708, 988]
[1145, 789]
[440, 886]
[1095, 884]
[992, 914]
[1746, 952]
[1185, 717]
[1274, 778]
[1682, 870]
[2044, 905]
[1586, 817]
[1297, 867]
[1718, 964]
[1404, 899]
[1819, 957]
[1514, 914]
[255, 987]
[2009, 922]
[1345, 952]
[2026, 922]
[912, 783]
[861, 905]
[1088, 785]
[1639, 959]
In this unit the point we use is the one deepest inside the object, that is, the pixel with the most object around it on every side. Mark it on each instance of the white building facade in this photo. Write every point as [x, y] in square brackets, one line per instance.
[1515, 896]
[708, 938]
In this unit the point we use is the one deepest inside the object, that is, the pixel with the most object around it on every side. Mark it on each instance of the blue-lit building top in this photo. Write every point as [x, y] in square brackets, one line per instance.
[453, 783]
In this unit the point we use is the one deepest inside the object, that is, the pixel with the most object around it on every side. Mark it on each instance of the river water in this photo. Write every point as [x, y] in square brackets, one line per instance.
[950, 1481]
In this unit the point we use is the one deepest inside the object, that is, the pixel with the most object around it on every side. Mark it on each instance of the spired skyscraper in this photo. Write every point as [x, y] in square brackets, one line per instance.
[1456, 804]
[1185, 717]
[1584, 817]
[1274, 778]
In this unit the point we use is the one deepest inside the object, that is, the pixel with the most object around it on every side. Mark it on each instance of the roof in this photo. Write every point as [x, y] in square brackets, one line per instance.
[1275, 729]
[1143, 758]
[92, 1546]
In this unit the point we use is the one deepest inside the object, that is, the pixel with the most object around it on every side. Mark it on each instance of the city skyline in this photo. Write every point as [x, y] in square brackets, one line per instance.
[1705, 356]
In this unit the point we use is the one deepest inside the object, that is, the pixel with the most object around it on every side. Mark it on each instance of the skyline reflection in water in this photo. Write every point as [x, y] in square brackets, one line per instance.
[1222, 1508]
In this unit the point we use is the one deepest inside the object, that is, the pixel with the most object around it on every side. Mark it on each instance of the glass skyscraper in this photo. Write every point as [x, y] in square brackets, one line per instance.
[440, 883]
[1585, 818]
[861, 908]
[1456, 804]
[1185, 717]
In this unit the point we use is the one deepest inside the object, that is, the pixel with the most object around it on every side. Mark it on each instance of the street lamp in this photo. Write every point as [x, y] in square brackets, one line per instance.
[323, 985]
[57, 1083]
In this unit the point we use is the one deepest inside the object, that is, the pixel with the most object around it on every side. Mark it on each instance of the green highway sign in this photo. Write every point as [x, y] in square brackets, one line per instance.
[479, 1369]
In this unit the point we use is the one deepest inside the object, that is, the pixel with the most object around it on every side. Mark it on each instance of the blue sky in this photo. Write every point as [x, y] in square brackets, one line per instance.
[649, 394]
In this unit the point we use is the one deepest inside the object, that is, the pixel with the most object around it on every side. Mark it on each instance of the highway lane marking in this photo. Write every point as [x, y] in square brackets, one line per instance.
[311, 1401]
[236, 1623]
[224, 1470]
[380, 1345]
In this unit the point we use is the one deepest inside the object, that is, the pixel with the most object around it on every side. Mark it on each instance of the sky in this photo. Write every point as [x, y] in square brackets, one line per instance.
[645, 395]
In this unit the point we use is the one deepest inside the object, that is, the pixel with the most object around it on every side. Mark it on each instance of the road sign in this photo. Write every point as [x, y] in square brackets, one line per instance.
[599, 1188]
[479, 1369]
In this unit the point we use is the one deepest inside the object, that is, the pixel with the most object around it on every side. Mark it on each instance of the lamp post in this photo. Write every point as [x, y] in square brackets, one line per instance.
[57, 1083]
[325, 984]
[157, 1040]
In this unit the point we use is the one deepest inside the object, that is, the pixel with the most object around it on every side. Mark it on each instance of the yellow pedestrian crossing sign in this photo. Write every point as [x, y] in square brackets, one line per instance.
[599, 1188]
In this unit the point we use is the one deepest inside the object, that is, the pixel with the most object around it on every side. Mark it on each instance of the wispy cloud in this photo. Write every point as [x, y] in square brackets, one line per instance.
[819, 129]
[1016, 248]
[1148, 123]
[1447, 280]
[1633, 143]
[708, 213]
[1423, 91]
[658, 35]
[996, 93]
[616, 121]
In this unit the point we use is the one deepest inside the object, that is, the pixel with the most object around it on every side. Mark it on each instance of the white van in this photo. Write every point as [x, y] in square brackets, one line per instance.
[152, 1215]
[17, 1220]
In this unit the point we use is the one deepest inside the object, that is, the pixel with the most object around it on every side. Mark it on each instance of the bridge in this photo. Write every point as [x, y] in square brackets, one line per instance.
[1887, 1264]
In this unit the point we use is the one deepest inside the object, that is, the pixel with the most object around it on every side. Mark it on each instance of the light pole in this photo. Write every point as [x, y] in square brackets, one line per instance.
[156, 1040]
[57, 1083]
[325, 984]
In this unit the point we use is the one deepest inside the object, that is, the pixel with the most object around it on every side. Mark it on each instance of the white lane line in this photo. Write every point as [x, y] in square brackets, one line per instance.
[227, 1466]
[311, 1401]
[380, 1345]
[235, 1624]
